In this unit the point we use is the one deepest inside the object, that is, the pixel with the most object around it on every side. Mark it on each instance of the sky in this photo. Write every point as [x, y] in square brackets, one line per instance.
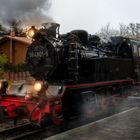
[92, 15]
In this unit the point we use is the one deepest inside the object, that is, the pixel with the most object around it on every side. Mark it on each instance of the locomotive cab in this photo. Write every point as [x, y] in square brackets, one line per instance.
[52, 29]
[136, 57]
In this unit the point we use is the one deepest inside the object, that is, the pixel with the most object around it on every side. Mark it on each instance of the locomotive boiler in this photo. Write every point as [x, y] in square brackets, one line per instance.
[75, 73]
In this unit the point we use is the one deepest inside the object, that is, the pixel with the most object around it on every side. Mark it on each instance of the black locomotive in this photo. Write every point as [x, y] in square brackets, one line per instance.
[83, 65]
[76, 74]
[78, 57]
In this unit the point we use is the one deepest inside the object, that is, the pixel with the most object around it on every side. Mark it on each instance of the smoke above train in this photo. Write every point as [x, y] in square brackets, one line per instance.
[29, 12]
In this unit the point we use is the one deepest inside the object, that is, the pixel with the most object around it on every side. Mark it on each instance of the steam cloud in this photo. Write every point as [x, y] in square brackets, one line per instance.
[29, 12]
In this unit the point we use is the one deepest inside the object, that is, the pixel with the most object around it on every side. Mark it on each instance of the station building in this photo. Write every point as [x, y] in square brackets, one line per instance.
[15, 48]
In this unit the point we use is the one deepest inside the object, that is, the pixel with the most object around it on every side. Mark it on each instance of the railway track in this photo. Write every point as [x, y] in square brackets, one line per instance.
[19, 132]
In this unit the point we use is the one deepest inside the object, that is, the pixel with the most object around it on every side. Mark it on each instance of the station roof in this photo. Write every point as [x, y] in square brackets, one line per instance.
[24, 40]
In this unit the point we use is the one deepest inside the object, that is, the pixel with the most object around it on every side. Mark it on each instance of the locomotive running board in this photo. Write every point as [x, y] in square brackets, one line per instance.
[105, 83]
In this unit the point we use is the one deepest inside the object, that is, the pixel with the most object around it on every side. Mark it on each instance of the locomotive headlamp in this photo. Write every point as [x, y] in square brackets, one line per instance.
[37, 86]
[31, 32]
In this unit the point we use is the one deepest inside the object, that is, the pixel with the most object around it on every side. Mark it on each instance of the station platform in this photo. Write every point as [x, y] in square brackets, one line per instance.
[121, 126]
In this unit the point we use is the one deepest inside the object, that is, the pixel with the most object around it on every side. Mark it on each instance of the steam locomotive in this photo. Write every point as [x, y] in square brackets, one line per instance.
[75, 73]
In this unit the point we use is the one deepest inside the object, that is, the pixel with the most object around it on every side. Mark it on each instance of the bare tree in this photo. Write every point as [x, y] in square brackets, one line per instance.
[137, 30]
[107, 31]
[132, 30]
[123, 30]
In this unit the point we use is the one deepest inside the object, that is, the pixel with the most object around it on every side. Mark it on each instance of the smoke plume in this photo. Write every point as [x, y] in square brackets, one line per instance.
[29, 12]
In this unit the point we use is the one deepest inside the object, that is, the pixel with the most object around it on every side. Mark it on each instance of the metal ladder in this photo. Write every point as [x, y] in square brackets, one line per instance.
[73, 65]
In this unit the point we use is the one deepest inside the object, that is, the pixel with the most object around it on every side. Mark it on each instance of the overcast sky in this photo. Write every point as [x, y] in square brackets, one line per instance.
[94, 14]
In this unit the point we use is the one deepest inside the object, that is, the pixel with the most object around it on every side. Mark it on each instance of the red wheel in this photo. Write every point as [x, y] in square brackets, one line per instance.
[40, 118]
[36, 115]
[56, 113]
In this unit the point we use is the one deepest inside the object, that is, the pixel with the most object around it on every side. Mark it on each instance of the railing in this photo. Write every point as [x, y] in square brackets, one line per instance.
[16, 76]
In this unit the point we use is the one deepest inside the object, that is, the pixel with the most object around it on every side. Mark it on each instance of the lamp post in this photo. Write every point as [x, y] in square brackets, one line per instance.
[11, 51]
[12, 34]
